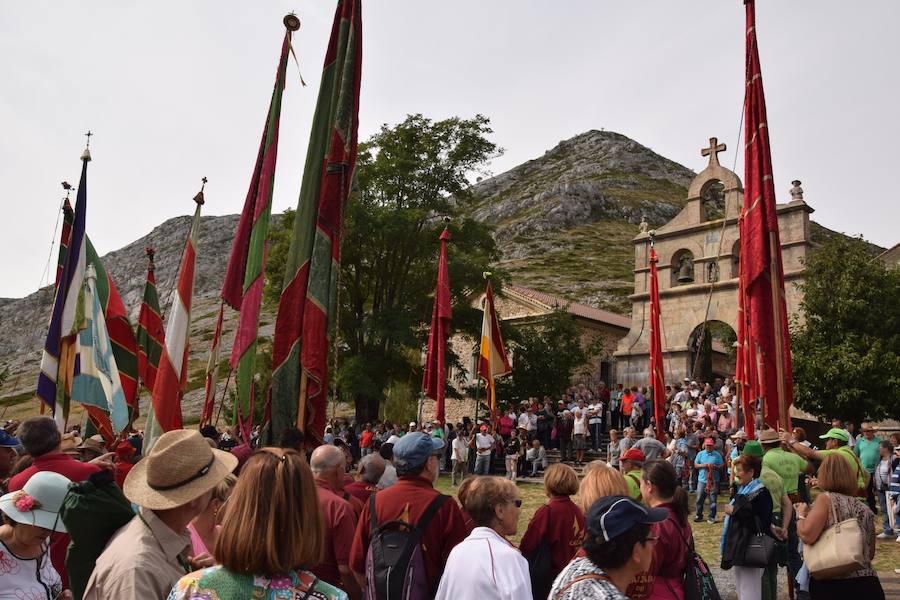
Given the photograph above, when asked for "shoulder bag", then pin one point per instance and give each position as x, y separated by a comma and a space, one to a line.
838, 550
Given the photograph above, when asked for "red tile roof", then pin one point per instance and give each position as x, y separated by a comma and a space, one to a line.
574, 308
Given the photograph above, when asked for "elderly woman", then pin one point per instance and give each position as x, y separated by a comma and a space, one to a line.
485, 565
556, 530
749, 514
205, 527
618, 545
838, 483
598, 480
272, 532
30, 515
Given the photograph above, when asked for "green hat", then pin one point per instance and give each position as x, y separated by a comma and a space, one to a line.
753, 448
836, 434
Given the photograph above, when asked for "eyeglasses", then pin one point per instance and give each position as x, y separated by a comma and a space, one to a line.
517, 502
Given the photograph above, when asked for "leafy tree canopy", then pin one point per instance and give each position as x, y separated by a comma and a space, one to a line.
846, 354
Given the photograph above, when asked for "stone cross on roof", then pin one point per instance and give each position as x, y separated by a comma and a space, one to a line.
713, 151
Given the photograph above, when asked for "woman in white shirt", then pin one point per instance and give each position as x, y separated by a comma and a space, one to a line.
485, 565
579, 431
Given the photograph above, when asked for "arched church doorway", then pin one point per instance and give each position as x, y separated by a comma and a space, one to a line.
712, 351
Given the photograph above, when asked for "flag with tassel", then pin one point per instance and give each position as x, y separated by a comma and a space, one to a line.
492, 359
150, 334
657, 372
308, 297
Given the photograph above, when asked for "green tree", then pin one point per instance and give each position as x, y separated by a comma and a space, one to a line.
846, 354
411, 180
545, 357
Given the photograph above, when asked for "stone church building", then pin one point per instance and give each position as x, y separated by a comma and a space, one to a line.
699, 253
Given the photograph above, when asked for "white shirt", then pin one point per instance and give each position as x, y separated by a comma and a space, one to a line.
485, 566
523, 420
598, 418
460, 449
389, 477
580, 425
35, 578
483, 441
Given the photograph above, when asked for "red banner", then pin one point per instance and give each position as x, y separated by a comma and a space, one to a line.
434, 378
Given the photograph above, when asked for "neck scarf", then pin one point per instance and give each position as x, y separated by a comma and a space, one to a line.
750, 489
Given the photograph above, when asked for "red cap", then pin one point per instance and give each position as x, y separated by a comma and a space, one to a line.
709, 442
484, 428
634, 455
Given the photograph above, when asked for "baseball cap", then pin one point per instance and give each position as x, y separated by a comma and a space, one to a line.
634, 455
753, 448
835, 434
413, 450
393, 439
611, 516
7, 441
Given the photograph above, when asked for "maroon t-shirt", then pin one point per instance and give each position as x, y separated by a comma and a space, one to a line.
340, 523
406, 500
65, 465
561, 523
361, 490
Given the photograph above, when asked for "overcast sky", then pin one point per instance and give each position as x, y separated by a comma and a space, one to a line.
175, 91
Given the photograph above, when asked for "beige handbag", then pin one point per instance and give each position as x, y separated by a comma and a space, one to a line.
839, 550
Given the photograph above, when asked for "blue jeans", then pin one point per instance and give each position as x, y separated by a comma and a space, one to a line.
882, 502
701, 497
482, 463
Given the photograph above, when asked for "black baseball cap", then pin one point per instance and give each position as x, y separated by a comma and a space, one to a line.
611, 516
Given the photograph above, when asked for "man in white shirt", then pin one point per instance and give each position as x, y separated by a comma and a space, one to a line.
484, 442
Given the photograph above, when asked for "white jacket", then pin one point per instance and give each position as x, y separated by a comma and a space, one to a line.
484, 566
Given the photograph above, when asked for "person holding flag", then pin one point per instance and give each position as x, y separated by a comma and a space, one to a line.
492, 359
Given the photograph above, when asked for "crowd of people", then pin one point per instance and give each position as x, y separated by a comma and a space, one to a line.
208, 514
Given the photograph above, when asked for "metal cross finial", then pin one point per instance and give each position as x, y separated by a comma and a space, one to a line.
713, 151
88, 136
199, 197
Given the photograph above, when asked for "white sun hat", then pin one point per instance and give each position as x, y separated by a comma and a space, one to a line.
38, 503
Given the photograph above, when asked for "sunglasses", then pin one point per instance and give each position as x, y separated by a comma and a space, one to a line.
517, 502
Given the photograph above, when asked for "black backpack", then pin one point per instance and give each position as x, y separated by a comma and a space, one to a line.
698, 580
395, 568
540, 568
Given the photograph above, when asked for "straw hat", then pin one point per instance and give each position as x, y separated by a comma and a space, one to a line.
94, 443
69, 444
38, 502
180, 467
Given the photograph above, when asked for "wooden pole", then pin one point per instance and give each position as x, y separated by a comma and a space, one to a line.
301, 402
783, 417
761, 377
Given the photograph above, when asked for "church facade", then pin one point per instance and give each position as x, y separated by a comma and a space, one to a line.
699, 252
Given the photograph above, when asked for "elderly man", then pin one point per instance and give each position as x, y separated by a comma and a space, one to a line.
630, 464
327, 464
172, 485
650, 446
836, 442
368, 472
416, 458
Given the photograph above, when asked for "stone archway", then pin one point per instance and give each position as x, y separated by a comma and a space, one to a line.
712, 350
711, 237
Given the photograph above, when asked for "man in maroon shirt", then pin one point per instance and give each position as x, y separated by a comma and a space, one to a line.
327, 464
417, 459
41, 439
368, 472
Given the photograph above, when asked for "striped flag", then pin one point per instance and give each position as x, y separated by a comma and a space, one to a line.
121, 334
212, 372
59, 344
68, 219
97, 386
172, 374
492, 359
300, 347
150, 334
244, 278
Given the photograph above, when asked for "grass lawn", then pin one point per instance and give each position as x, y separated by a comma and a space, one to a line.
706, 535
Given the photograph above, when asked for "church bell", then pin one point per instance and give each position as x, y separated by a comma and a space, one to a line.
685, 273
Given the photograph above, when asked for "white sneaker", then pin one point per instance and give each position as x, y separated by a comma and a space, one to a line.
898, 538
884, 536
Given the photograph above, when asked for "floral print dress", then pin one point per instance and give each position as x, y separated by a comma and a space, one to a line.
218, 583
